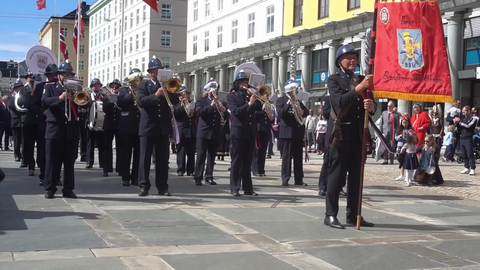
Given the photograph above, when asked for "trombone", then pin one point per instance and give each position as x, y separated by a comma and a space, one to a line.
171, 86
262, 94
73, 92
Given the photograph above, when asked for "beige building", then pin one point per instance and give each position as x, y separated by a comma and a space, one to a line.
50, 38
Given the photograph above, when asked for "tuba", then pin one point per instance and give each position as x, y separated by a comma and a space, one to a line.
17, 106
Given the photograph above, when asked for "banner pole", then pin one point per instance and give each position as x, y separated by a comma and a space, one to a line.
366, 116
79, 33
59, 41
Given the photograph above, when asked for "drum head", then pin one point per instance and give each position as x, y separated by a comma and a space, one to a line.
96, 116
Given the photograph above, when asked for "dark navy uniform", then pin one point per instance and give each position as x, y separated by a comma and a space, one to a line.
83, 121
16, 125
292, 135
61, 140
34, 128
155, 129
322, 179
187, 128
129, 141
264, 126
110, 130
95, 138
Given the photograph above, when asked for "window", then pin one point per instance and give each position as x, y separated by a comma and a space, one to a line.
108, 32
194, 45
251, 25
108, 54
207, 8
143, 39
81, 65
234, 1
207, 41
130, 65
81, 78
138, 16
137, 41
101, 17
108, 75
82, 49
353, 4
91, 59
131, 20
298, 13
115, 8
131, 44
114, 72
95, 39
115, 29
114, 51
83, 35
144, 13
267, 70
126, 23
166, 38
143, 63
119, 52
234, 31
472, 51
109, 12
220, 4
165, 61
319, 68
65, 32
219, 36
323, 8
136, 62
103, 34
125, 68
103, 56
166, 12
103, 75
95, 59
195, 11
270, 19
124, 47
99, 58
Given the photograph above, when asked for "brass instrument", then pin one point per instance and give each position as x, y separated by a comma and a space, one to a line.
72, 87
171, 86
133, 80
265, 92
218, 105
186, 103
81, 98
296, 108
17, 106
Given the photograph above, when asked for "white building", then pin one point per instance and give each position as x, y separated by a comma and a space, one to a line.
126, 34
222, 26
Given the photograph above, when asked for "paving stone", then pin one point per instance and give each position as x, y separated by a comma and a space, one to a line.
260, 215
401, 226
433, 255
70, 264
467, 249
146, 263
155, 218
265, 243
318, 243
136, 251
230, 261
24, 219
6, 257
52, 254
424, 209
371, 257
205, 249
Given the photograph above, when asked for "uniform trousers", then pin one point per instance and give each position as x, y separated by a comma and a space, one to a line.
58, 152
346, 157
292, 148
108, 150
161, 145
322, 179
258, 163
466, 144
83, 142
95, 137
35, 133
205, 146
130, 145
17, 142
186, 150
241, 151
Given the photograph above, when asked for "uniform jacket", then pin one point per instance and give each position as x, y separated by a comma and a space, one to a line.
187, 126
341, 95
263, 123
5, 117
243, 125
156, 116
289, 128
112, 115
387, 122
16, 116
130, 114
34, 116
209, 126
58, 128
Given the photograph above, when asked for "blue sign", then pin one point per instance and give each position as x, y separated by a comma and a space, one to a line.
298, 79
320, 77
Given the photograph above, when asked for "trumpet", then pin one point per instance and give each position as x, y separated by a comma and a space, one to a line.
172, 86
218, 105
186, 103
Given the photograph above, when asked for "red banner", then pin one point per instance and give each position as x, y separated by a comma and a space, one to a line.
153, 4
41, 4
411, 58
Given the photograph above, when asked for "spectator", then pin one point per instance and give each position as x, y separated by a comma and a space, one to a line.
430, 156
437, 129
310, 126
401, 138
321, 134
450, 150
420, 123
466, 127
389, 124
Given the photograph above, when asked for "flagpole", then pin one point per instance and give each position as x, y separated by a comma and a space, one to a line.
59, 41
79, 33
121, 41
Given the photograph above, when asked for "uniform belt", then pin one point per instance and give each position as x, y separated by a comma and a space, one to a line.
346, 123
124, 113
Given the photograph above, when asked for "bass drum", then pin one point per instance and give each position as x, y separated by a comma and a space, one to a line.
96, 116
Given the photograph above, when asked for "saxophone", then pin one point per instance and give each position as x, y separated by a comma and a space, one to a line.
132, 85
296, 108
186, 103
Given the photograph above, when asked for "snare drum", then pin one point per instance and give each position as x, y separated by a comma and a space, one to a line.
96, 116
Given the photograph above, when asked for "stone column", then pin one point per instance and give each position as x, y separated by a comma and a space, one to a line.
275, 85
282, 68
186, 80
332, 55
198, 87
362, 54
306, 68
223, 81
210, 73
258, 62
404, 106
455, 49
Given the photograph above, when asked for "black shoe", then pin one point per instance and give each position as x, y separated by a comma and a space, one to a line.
105, 174
198, 183
49, 195
322, 193
363, 222
31, 173
252, 193
235, 194
180, 174
189, 174
268, 156
70, 195
164, 193
211, 182
256, 174
41, 183
301, 184
23, 165
385, 163
143, 192
134, 182
343, 193
59, 183
17, 160
88, 166
285, 184
333, 222
126, 183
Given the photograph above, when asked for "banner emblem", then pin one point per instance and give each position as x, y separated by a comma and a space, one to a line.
41, 62
410, 55
384, 15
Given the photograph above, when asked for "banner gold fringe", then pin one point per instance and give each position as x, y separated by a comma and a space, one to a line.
413, 97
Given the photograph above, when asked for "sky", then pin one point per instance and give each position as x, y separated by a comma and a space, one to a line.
20, 21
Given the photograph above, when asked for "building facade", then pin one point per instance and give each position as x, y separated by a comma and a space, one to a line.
127, 34
49, 37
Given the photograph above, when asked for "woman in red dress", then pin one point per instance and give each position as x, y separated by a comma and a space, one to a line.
420, 123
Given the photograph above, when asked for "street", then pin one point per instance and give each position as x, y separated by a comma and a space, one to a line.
110, 227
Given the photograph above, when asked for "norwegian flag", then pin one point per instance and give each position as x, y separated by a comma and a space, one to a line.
41, 4
75, 28
152, 3
63, 46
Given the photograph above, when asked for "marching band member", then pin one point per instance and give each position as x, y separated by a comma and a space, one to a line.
264, 119
345, 138
110, 128
210, 114
128, 129
83, 122
95, 137
243, 107
154, 130
61, 134
187, 128
292, 132
16, 123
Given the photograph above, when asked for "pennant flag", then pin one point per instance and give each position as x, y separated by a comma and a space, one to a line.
412, 63
63, 46
41, 4
152, 3
75, 29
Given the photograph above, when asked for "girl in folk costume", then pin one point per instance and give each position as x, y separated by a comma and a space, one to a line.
420, 123
410, 161
401, 138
